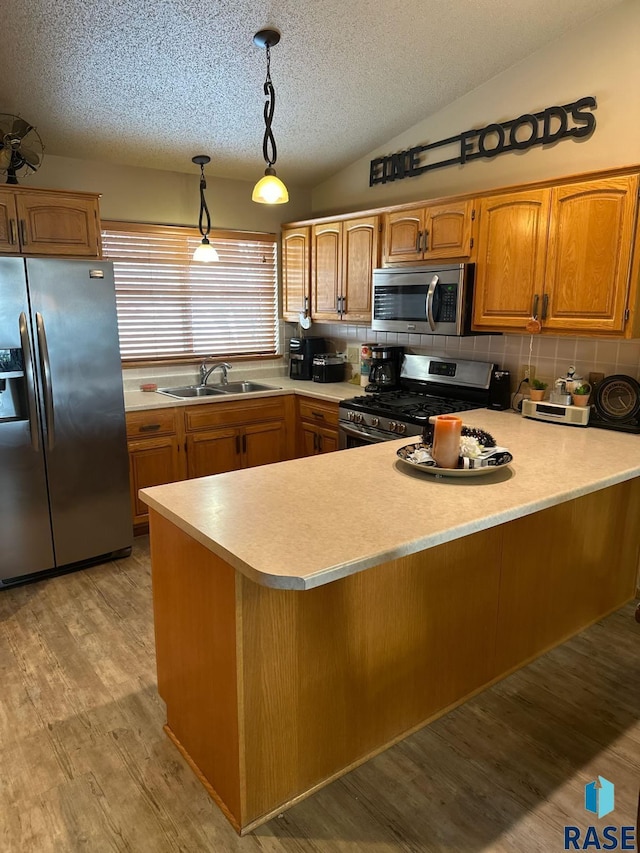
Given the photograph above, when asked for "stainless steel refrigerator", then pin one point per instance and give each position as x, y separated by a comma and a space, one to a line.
64, 481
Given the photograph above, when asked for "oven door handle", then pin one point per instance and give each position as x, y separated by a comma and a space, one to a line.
432, 289
363, 433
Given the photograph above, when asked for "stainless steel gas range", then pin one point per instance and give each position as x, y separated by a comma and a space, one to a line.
429, 385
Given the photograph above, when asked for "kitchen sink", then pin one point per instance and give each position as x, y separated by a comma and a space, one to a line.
245, 387
186, 391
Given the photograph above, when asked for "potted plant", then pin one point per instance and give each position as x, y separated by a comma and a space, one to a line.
537, 390
580, 395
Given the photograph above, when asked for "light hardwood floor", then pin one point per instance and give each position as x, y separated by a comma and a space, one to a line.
85, 765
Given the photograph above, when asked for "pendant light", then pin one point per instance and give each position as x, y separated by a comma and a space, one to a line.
270, 189
205, 251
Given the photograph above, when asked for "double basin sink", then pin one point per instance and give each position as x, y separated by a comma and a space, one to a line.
185, 392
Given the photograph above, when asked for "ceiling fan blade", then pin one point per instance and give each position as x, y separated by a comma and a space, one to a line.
20, 127
30, 157
5, 157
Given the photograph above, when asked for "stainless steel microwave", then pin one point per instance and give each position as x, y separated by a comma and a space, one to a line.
434, 300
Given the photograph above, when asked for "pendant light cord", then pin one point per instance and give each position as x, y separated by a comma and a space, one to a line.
203, 205
269, 151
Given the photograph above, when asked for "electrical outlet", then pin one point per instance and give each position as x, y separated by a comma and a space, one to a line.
527, 372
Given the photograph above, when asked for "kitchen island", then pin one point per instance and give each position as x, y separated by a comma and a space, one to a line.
311, 613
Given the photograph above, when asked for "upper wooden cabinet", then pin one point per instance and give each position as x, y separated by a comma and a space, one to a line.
427, 233
343, 256
9, 243
510, 260
562, 253
295, 271
589, 257
46, 222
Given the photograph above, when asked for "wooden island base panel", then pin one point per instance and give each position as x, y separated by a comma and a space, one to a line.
272, 693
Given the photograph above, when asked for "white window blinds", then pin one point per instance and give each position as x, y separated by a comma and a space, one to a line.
172, 308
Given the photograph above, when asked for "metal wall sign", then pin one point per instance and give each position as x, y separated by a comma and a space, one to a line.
543, 128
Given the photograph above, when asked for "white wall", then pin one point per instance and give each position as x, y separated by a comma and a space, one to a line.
133, 194
601, 58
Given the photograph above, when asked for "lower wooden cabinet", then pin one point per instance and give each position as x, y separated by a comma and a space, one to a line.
156, 454
317, 426
226, 436
219, 450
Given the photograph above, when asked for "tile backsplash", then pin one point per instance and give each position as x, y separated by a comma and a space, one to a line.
550, 355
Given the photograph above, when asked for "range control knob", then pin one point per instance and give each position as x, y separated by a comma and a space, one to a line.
392, 426
359, 418
375, 422
401, 429
351, 416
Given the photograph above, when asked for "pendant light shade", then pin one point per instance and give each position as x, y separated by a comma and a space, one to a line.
204, 253
270, 189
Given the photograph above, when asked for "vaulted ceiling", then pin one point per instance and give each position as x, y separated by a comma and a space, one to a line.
153, 82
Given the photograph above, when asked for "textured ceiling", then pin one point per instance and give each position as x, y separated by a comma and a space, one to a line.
153, 83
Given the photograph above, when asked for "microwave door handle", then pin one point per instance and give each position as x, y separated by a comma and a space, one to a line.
430, 293
30, 381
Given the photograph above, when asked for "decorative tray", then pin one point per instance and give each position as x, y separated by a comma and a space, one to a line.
488, 457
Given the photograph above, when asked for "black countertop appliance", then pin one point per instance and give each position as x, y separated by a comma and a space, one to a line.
301, 353
328, 367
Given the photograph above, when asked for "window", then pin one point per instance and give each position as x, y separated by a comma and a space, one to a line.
172, 309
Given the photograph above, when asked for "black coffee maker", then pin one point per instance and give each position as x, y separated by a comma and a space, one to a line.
301, 353
386, 364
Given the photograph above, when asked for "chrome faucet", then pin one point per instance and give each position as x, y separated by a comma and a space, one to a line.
206, 373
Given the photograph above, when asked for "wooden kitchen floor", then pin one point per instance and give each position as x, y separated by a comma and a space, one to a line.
85, 764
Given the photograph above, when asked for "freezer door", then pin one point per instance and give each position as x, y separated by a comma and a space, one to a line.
26, 544
78, 358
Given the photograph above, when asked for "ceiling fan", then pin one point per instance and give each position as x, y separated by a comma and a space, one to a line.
21, 149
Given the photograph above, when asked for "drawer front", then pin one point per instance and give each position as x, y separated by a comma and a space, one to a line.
228, 414
318, 411
151, 422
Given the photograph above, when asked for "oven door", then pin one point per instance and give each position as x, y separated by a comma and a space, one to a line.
353, 436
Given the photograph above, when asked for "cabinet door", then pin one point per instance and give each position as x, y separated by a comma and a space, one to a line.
448, 230
403, 233
510, 262
53, 224
8, 223
359, 258
308, 440
264, 443
588, 265
327, 440
213, 452
152, 462
296, 273
326, 271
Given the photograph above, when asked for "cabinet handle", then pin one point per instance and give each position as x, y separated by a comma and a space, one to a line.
306, 303
319, 444
12, 232
315, 442
237, 444
426, 241
244, 443
317, 414
23, 232
149, 427
545, 305
419, 242
534, 306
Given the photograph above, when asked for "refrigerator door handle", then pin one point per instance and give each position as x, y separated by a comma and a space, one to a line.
30, 381
45, 367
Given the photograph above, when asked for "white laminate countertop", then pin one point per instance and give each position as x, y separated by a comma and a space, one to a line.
306, 522
333, 391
